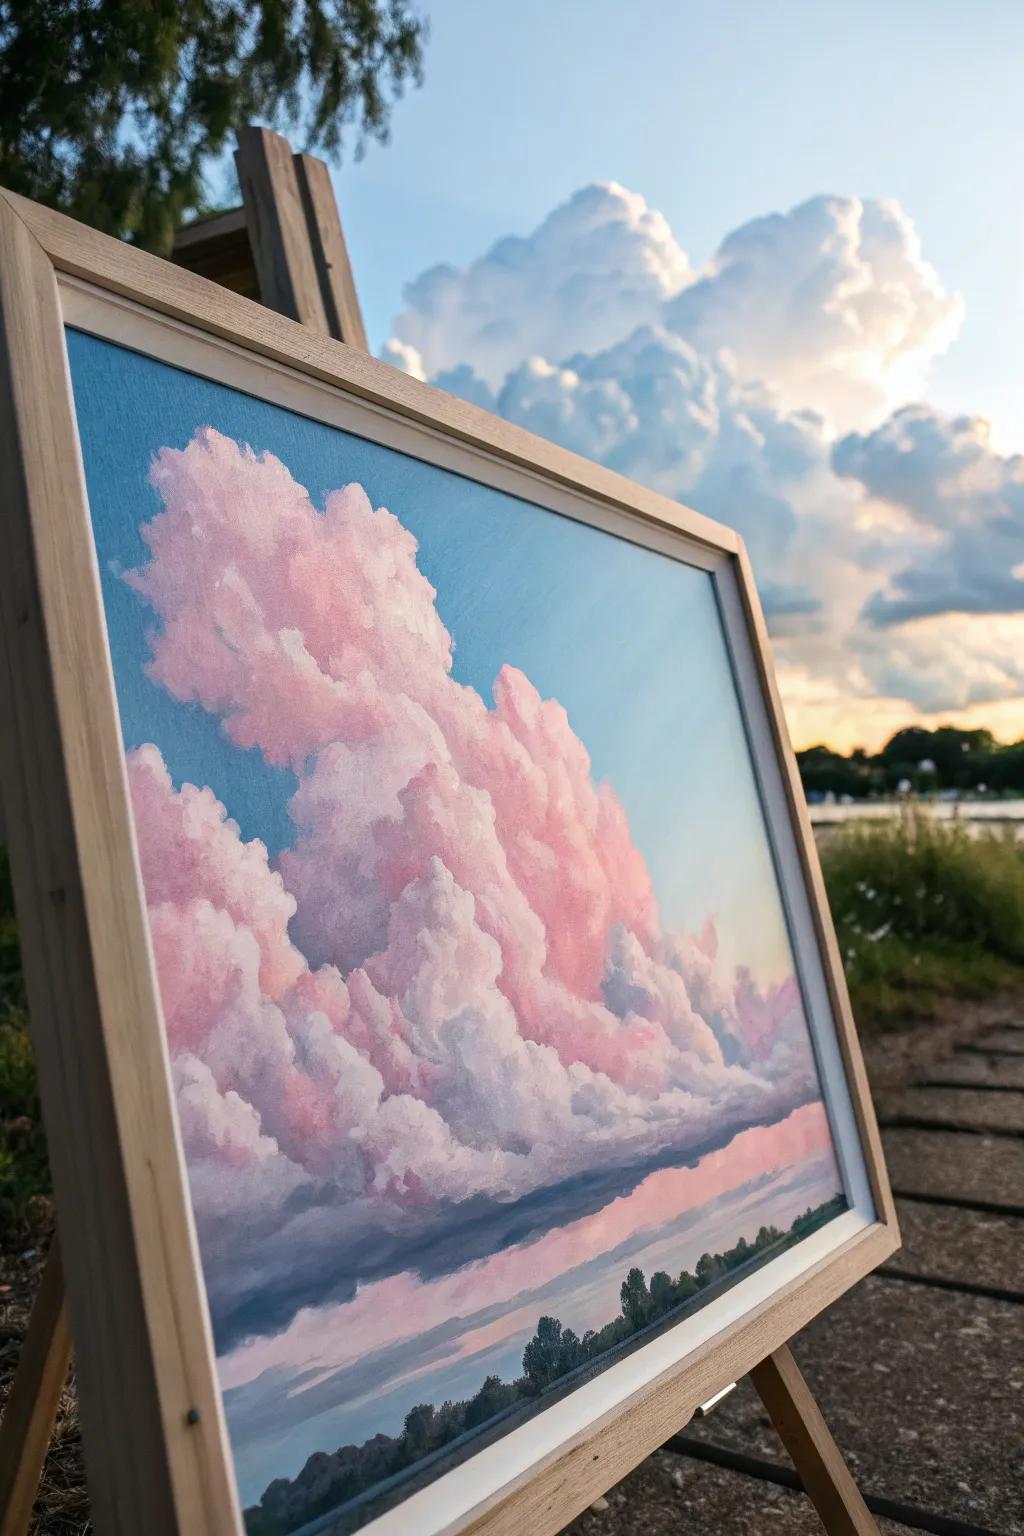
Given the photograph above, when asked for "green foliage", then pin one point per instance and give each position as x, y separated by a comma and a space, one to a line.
947, 758
24, 1171
112, 110
636, 1301
924, 910
541, 1358
12, 982
328, 1481
825, 772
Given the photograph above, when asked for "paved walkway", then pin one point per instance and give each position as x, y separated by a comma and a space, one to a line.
919, 1370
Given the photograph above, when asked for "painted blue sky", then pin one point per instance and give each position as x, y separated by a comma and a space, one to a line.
627, 640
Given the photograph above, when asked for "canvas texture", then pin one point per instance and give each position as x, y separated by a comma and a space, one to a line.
489, 1054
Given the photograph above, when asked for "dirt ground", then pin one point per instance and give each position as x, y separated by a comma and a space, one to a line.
62, 1508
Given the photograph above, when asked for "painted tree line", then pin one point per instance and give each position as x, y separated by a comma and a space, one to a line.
328, 1481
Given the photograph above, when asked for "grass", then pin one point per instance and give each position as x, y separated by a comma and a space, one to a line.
925, 912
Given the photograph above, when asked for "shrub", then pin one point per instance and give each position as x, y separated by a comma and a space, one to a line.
924, 909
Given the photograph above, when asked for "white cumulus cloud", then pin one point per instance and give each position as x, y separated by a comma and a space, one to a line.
965, 503
832, 304
596, 267
769, 389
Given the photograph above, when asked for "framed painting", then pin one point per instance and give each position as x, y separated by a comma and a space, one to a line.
446, 1062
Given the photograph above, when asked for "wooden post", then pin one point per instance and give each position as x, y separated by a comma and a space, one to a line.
327, 242
276, 218
295, 233
35, 1396
819, 1462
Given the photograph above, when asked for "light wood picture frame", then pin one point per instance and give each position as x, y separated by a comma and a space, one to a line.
158, 1452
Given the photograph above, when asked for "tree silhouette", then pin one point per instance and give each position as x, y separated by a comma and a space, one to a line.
570, 1352
418, 1427
663, 1292
493, 1396
541, 1357
709, 1267
635, 1298
686, 1286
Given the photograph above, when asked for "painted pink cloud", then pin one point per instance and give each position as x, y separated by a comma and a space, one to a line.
455, 982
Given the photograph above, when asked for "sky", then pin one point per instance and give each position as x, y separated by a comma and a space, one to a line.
715, 117
715, 113
458, 1013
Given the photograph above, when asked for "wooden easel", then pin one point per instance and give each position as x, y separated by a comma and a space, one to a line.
285, 247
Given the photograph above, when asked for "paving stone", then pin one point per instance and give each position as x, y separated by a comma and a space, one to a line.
955, 1244
924, 1392
1002, 1040
961, 1168
671, 1495
897, 1057
995, 1071
956, 1107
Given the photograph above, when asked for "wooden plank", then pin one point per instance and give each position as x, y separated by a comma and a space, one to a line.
138, 1310
34, 1398
815, 1455
276, 220
330, 253
209, 228
218, 247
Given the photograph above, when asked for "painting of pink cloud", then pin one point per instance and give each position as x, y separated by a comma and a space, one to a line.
490, 1055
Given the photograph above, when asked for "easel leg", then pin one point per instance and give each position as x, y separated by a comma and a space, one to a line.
818, 1460
35, 1395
